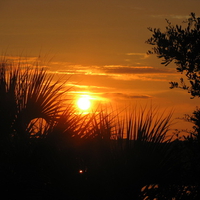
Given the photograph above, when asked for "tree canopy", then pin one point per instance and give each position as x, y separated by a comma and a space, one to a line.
181, 45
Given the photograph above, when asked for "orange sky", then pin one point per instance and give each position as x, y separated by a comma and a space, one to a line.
101, 45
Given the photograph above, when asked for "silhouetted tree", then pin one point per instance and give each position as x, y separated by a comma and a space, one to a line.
181, 46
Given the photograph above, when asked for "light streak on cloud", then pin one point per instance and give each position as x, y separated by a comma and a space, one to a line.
143, 55
168, 16
143, 77
16, 59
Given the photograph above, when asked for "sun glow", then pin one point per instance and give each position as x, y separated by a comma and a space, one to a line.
84, 102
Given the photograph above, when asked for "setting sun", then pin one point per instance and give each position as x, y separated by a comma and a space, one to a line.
84, 103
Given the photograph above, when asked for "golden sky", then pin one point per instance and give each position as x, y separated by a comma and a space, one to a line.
100, 45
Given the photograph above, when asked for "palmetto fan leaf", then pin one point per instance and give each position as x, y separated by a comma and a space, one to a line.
8, 101
145, 125
144, 143
26, 94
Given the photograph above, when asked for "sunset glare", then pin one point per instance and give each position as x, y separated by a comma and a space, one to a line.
84, 102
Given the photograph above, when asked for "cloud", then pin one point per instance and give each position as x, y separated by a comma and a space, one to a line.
143, 55
172, 16
126, 96
75, 84
19, 59
145, 77
24, 61
179, 16
135, 70
118, 72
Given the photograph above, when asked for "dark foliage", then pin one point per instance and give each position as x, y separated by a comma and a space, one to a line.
181, 45
47, 151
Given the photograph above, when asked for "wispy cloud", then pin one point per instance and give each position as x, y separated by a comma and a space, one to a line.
179, 16
19, 58
112, 69
94, 70
134, 70
141, 55
126, 96
24, 61
74, 85
172, 16
118, 72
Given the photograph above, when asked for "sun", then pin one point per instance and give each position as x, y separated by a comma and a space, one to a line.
84, 102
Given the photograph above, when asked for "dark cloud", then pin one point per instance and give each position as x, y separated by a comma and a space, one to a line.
135, 70
126, 96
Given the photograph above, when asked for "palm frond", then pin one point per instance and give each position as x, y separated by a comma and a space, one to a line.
26, 94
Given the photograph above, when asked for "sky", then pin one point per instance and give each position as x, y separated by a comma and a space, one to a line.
99, 46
